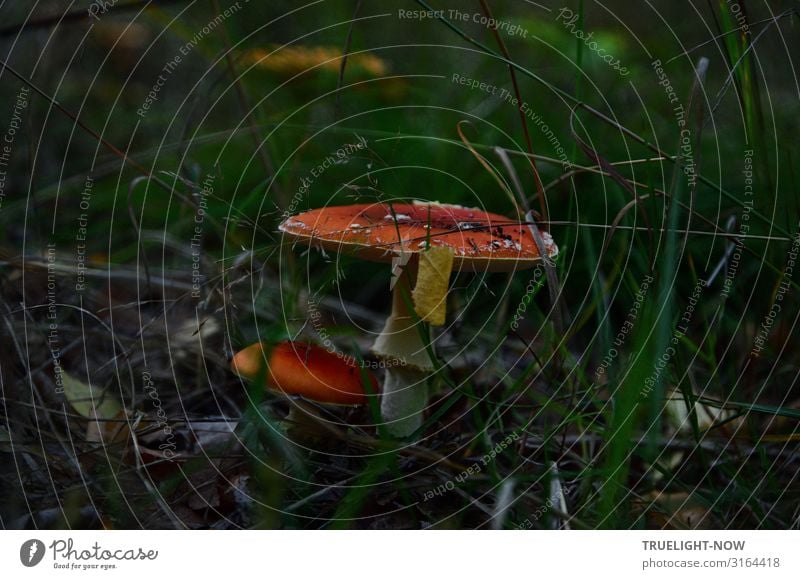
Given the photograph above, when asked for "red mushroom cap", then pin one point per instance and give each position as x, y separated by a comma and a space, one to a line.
306, 370
378, 231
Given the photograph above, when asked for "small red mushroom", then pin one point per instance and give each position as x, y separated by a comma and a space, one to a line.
298, 368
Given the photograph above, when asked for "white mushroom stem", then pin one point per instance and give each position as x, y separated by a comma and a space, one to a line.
403, 401
405, 391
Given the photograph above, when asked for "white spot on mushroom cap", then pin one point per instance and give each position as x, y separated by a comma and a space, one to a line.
398, 216
451, 205
293, 223
509, 243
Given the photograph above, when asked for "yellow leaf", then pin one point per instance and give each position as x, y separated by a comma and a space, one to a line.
433, 279
88, 401
105, 412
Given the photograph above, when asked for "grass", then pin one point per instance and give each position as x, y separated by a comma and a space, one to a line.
622, 458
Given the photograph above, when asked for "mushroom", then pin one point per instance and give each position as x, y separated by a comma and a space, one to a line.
299, 368
430, 239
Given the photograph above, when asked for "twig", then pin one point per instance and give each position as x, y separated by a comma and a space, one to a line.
345, 53
540, 192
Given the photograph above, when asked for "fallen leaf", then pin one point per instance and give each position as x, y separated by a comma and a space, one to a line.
105, 413
678, 414
433, 280
678, 510
88, 401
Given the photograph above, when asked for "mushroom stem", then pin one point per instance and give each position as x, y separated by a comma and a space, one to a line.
404, 397
405, 391
304, 421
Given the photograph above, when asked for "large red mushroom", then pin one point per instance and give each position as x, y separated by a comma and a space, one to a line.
431, 238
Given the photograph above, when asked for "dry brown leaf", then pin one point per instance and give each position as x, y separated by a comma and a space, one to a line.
678, 511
